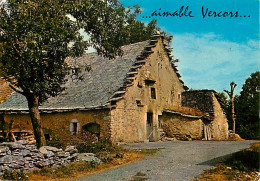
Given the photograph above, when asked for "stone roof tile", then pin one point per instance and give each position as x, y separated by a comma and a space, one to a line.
93, 91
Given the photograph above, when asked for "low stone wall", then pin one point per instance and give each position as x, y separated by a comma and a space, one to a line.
182, 128
20, 155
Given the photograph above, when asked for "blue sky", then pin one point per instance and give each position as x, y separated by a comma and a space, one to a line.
213, 51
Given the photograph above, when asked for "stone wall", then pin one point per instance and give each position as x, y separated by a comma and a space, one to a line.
129, 118
21, 155
58, 125
206, 101
219, 126
182, 128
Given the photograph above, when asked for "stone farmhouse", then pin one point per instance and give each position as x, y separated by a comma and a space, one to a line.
132, 98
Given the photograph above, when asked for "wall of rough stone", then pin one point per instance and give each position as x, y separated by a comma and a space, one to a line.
182, 128
58, 124
219, 126
21, 155
206, 101
129, 119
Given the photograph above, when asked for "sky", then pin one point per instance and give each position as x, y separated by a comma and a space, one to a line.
213, 51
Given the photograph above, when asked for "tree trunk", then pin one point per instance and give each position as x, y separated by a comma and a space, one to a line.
33, 104
233, 115
231, 97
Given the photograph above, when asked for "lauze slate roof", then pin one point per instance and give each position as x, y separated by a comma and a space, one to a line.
92, 92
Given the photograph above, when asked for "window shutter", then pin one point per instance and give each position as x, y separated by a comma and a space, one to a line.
71, 128
78, 127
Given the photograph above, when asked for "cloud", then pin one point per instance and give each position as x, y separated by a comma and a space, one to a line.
207, 61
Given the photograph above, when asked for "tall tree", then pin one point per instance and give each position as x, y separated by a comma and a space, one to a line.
231, 97
247, 108
36, 36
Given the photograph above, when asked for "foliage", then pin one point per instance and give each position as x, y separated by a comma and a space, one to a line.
247, 108
242, 165
148, 151
244, 160
14, 175
37, 36
64, 171
187, 110
96, 147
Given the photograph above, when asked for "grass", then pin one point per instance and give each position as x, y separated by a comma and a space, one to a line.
78, 169
139, 176
111, 156
243, 165
147, 152
188, 110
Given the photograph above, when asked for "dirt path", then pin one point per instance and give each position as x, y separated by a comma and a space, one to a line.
176, 160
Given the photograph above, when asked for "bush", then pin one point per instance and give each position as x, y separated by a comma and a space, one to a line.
100, 146
14, 175
244, 160
64, 171
249, 131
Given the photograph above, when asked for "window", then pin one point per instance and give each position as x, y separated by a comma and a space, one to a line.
179, 96
74, 127
153, 93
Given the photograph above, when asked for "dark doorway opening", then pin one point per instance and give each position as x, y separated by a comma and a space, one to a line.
91, 132
149, 126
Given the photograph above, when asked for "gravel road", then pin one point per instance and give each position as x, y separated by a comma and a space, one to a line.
176, 160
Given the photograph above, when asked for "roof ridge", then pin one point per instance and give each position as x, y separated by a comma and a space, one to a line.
140, 61
133, 71
169, 51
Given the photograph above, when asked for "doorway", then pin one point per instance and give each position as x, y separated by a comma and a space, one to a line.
91, 132
149, 126
207, 132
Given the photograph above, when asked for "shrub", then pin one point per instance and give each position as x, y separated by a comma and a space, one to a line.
15, 175
64, 171
100, 146
244, 160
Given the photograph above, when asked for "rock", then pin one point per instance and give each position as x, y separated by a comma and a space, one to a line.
3, 150
50, 154
53, 149
88, 157
21, 155
233, 136
62, 154
73, 156
71, 149
12, 145
43, 150
23, 142
25, 152
30, 147
170, 139
9, 159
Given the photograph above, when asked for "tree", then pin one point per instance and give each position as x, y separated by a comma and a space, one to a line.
231, 97
38, 35
224, 101
247, 108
